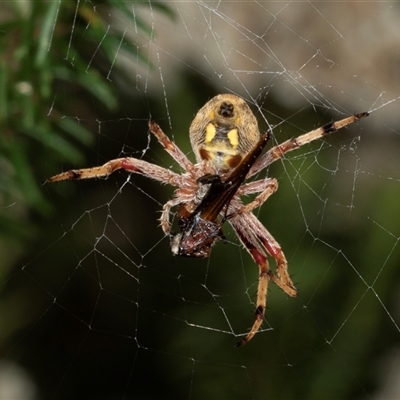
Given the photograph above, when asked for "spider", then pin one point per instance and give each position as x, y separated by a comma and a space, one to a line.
223, 134
203, 227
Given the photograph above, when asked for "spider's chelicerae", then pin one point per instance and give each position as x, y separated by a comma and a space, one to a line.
226, 141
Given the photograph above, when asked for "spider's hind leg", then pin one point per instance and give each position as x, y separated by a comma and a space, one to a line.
281, 278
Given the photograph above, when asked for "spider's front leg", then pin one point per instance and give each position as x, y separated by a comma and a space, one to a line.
265, 274
259, 242
166, 210
281, 277
267, 187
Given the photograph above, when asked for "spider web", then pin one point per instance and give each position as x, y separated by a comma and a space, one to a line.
99, 308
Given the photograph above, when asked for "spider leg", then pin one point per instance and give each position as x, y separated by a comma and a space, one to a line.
281, 277
128, 163
277, 152
254, 187
259, 242
164, 219
135, 165
266, 186
171, 148
264, 276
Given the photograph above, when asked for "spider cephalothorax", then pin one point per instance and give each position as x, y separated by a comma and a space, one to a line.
201, 228
227, 143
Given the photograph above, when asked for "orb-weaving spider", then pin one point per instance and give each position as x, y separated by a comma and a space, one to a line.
223, 134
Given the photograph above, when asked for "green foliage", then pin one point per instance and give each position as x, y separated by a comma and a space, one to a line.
49, 79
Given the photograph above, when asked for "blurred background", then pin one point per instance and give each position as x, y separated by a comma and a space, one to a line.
92, 303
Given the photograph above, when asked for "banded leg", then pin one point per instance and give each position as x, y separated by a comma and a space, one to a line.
277, 152
128, 163
259, 242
